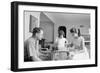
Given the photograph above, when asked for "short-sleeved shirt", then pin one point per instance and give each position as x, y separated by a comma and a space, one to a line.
61, 43
31, 47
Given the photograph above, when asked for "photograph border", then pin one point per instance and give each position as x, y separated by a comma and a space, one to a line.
14, 35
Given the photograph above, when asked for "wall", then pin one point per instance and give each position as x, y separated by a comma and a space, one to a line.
5, 38
69, 20
48, 27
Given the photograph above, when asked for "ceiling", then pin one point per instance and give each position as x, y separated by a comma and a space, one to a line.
69, 18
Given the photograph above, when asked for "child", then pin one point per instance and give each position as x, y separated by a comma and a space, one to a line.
61, 43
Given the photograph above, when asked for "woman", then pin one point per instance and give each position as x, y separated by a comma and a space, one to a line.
60, 43
80, 51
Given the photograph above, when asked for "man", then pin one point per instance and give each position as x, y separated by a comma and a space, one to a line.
31, 47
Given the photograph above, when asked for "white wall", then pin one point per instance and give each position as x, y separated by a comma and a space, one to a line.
5, 28
69, 20
48, 29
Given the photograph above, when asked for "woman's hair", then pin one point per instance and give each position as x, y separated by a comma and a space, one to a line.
61, 32
36, 30
79, 33
74, 30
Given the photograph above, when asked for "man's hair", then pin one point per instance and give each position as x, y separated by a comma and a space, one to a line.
61, 32
36, 30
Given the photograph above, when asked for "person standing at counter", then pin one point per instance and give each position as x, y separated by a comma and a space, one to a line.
61, 43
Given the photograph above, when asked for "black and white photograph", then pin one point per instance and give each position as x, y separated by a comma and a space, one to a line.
54, 36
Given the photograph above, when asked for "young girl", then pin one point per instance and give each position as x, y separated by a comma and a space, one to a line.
61, 43
79, 45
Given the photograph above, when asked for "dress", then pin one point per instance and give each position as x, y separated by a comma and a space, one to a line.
81, 52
